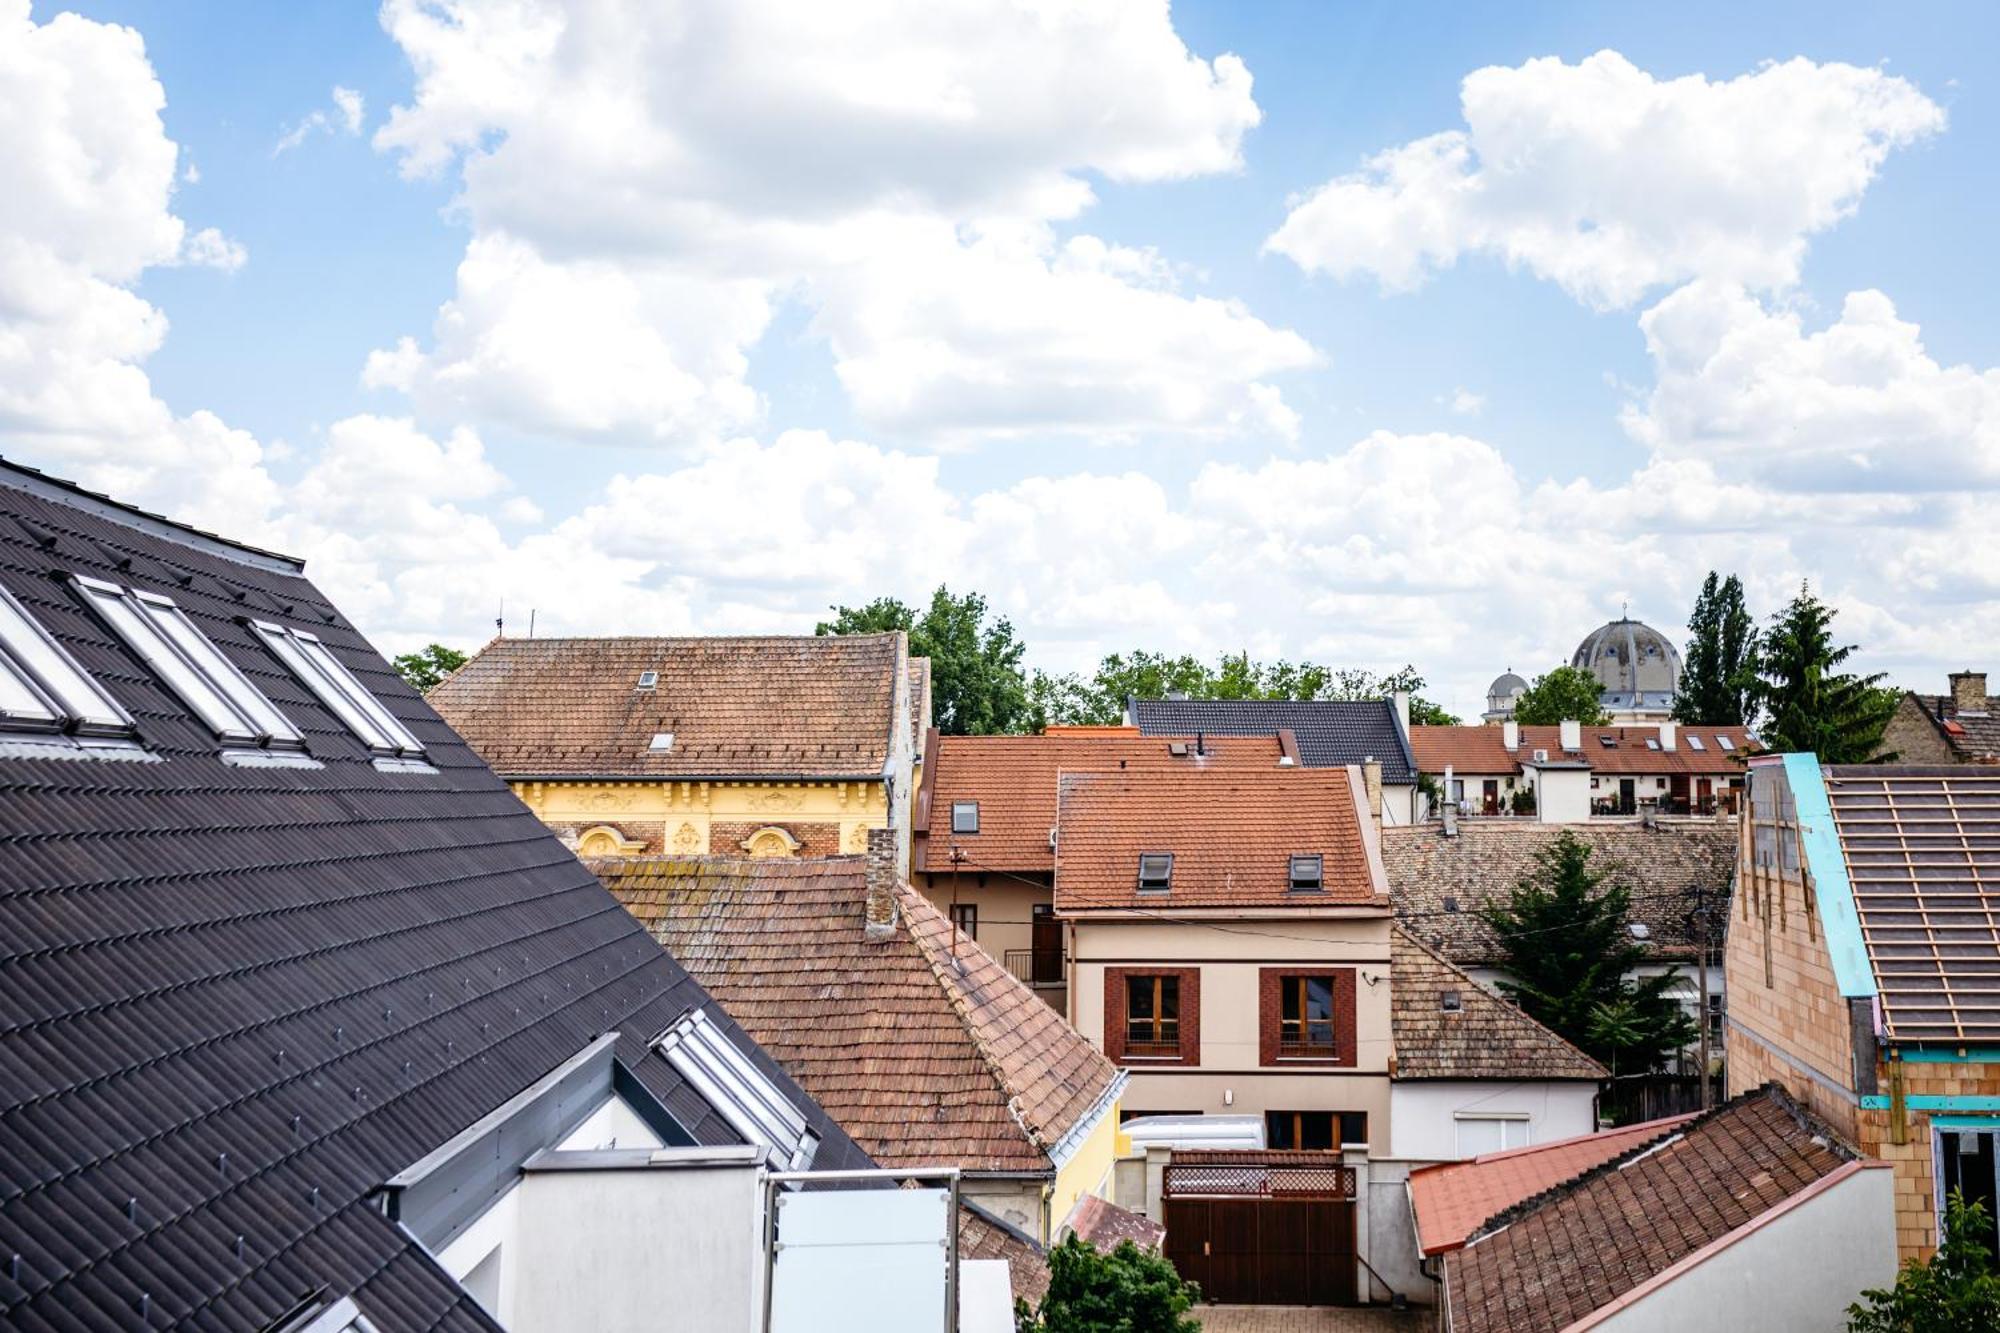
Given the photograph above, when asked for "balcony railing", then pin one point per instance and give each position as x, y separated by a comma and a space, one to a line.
1037, 967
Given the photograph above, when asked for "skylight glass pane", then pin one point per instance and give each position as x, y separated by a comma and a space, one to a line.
737, 1089
1725, 742
965, 816
293, 654
222, 674
38, 658
1694, 742
19, 701
143, 638
336, 671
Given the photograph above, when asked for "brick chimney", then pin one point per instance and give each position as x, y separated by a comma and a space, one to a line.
1371, 783
1968, 692
881, 864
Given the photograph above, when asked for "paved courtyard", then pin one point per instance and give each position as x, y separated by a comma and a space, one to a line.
1301, 1319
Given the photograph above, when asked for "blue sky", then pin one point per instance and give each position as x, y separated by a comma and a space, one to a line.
1510, 499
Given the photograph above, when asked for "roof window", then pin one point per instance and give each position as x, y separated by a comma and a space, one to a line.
1725, 742
307, 657
1450, 1001
662, 742
41, 686
1608, 742
1178, 749
190, 665
1308, 874
648, 679
1652, 742
1156, 872
1694, 742
965, 816
343, 1316
740, 1092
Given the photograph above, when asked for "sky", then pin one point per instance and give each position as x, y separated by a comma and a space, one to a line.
1366, 334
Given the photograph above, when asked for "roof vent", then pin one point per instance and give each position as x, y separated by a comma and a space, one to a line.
648, 679
662, 741
1450, 903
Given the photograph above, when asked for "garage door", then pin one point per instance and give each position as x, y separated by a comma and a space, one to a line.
1262, 1228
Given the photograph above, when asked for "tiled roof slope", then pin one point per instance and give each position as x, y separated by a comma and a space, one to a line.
225, 988
1470, 751
1484, 1037
1440, 882
1014, 780
920, 701
1557, 1257
1104, 1225
921, 1045
981, 1235
1451, 1200
1974, 735
1232, 835
821, 706
1922, 852
1332, 733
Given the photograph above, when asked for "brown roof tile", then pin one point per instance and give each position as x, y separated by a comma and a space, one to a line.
1557, 1257
1232, 834
815, 707
1103, 1225
1973, 735
1470, 751
1482, 1036
922, 1046
981, 1235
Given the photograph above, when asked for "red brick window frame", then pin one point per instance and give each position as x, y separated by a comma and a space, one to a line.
1187, 984
1292, 1045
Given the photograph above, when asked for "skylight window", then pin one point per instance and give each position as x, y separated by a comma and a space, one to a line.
188, 664
41, 686
965, 816
1694, 742
1652, 742
308, 658
648, 679
1725, 742
739, 1091
662, 742
1156, 872
1308, 874
1608, 742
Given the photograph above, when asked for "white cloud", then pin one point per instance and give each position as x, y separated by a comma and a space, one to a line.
209, 248
1611, 183
348, 111
351, 107
1466, 403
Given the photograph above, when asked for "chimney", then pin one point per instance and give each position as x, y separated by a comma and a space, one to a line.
1968, 692
1572, 734
881, 863
1371, 782
1288, 748
1669, 736
1510, 735
1401, 699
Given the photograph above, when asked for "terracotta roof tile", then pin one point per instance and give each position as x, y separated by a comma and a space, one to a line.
922, 1046
1481, 1036
1556, 1257
806, 706
981, 1235
1232, 835
1103, 1225
1471, 751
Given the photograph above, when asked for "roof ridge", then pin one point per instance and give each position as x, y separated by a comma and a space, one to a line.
1397, 928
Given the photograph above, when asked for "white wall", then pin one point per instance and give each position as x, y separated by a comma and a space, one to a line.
1562, 795
1422, 1112
1391, 1242
1798, 1271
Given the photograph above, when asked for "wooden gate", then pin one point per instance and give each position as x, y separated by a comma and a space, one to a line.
1263, 1228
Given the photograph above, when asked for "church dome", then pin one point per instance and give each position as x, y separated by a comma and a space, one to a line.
1505, 689
1637, 666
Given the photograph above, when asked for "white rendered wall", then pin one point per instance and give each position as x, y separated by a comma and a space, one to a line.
1423, 1128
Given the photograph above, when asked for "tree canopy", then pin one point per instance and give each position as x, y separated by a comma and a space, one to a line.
1809, 705
1129, 1290
978, 687
1955, 1290
1565, 694
425, 669
1072, 699
1562, 931
1718, 686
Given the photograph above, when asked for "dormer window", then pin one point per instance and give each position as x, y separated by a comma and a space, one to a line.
1156, 872
1308, 874
307, 657
965, 816
41, 686
187, 663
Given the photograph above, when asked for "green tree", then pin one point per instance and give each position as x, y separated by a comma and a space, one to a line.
1954, 1291
425, 669
1129, 1290
1566, 694
1071, 699
1718, 686
1562, 931
1808, 704
978, 687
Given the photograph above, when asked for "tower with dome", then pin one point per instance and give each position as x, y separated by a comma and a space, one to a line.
1637, 667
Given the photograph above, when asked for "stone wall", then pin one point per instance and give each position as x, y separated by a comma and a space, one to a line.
1913, 738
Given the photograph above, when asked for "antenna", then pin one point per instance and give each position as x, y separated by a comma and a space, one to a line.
500, 621
531, 622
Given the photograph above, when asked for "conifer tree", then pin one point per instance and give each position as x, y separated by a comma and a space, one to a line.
1718, 686
1809, 705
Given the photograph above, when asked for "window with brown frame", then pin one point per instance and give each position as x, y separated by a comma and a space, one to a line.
1314, 1129
966, 917
1153, 1015
1305, 1018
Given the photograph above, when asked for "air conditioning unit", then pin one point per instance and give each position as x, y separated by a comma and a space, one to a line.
1541, 756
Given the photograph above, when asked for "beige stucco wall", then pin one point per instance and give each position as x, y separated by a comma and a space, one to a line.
1087, 1170
1006, 906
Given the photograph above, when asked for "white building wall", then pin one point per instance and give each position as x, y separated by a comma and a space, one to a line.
1424, 1113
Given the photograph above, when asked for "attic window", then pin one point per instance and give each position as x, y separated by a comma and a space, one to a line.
662, 742
740, 1092
1652, 742
1694, 742
41, 686
1178, 749
1725, 742
648, 679
965, 816
1450, 903
1308, 874
1608, 742
188, 664
307, 657
343, 1316
1450, 1001
1156, 872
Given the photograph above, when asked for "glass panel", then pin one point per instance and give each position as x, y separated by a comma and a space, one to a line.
293, 655
335, 671
143, 638
18, 701
965, 817
79, 697
245, 698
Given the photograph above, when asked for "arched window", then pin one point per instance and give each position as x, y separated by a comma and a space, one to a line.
771, 841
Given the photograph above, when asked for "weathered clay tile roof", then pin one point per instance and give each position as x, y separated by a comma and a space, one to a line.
1332, 733
922, 1046
981, 1235
1471, 751
1451, 1200
1555, 1258
1447, 1026
1972, 735
817, 707
1232, 834
1103, 1225
920, 701
1440, 882
1013, 778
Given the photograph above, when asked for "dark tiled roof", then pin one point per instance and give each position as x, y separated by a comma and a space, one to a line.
1232, 834
1440, 882
1470, 751
1973, 735
922, 1045
1555, 1258
1013, 779
1331, 732
193, 953
752, 707
1922, 847
1481, 1036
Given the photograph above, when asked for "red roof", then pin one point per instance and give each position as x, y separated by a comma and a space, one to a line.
1474, 750
1453, 1198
